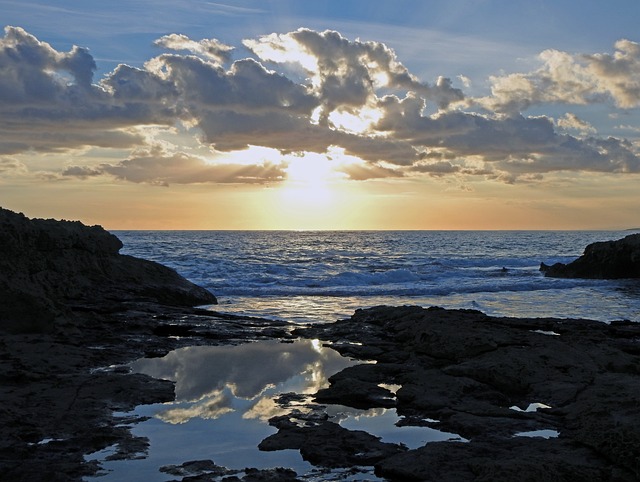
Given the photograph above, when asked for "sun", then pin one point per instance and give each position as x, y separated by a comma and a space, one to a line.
310, 169
309, 180
316, 194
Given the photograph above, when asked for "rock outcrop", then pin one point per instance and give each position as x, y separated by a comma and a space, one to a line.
603, 260
73, 313
466, 373
50, 268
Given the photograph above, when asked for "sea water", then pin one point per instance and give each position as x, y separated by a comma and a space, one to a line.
321, 276
225, 394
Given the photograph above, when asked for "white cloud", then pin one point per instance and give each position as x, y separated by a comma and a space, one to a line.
346, 73
619, 73
211, 407
212, 49
571, 121
571, 79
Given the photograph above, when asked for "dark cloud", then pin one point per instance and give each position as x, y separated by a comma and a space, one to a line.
48, 101
514, 143
155, 166
347, 73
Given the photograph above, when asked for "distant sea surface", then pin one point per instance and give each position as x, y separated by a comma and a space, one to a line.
321, 276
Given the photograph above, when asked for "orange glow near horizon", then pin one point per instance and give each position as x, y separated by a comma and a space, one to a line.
317, 195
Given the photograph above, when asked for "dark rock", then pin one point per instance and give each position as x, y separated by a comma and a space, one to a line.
196, 468
327, 444
50, 268
463, 372
500, 460
602, 260
356, 393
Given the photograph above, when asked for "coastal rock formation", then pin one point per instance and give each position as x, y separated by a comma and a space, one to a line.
73, 313
602, 260
496, 382
50, 268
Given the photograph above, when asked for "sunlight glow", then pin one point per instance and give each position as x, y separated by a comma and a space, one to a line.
311, 169
282, 48
308, 181
356, 123
248, 156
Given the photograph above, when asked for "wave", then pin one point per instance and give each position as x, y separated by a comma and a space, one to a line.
374, 286
317, 274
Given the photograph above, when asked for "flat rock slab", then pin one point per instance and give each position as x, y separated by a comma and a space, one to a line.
464, 372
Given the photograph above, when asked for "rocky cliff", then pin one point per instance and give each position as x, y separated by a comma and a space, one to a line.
51, 268
603, 260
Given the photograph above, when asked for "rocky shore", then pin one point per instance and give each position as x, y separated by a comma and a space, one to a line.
603, 260
482, 377
74, 312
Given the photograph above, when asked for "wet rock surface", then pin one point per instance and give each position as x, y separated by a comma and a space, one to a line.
602, 260
340, 447
208, 471
467, 373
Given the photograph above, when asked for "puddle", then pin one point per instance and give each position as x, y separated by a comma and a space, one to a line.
381, 423
538, 433
224, 399
543, 332
533, 407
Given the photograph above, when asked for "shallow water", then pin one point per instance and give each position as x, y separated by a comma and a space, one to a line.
224, 399
325, 275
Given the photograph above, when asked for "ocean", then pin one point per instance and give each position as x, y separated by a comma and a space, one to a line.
225, 394
322, 276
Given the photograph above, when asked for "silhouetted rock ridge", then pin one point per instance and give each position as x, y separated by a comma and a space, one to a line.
49, 268
602, 260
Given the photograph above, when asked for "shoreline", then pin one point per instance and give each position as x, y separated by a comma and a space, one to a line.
59, 390
58, 397
74, 312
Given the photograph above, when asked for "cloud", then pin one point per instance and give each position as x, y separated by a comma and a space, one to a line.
498, 143
618, 74
213, 406
364, 172
245, 372
571, 79
156, 166
571, 122
13, 166
212, 49
345, 74
50, 102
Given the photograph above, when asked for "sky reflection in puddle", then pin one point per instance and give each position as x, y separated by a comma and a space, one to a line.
224, 399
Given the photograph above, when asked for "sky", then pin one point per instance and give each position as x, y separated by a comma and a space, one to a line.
348, 114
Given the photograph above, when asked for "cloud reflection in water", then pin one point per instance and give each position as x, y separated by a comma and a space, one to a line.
214, 380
